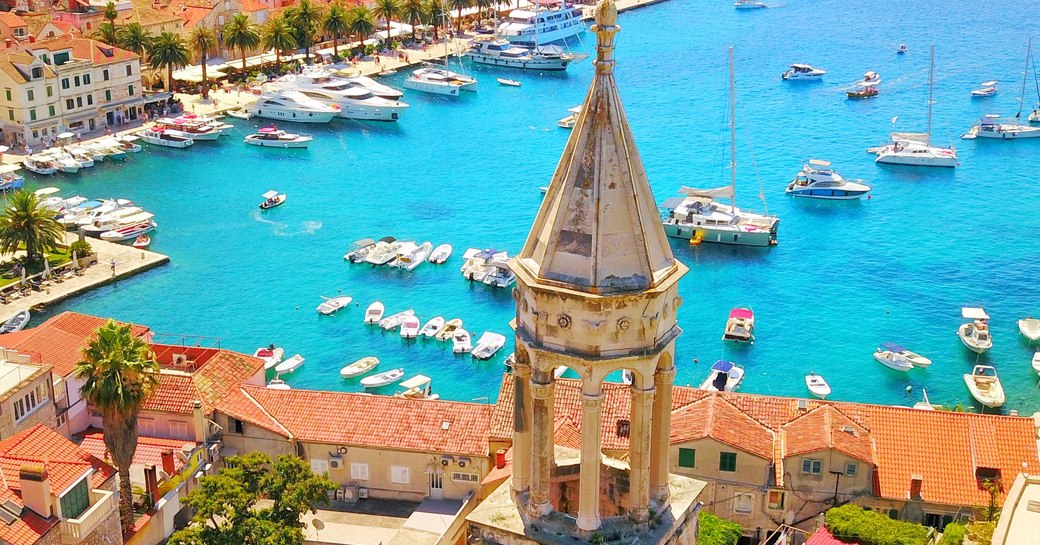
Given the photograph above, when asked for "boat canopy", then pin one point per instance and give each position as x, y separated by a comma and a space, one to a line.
364, 243
986, 120
894, 347
7, 169
549, 50
47, 191
388, 240
988, 83
974, 313
722, 365
724, 191
741, 313
270, 194
418, 381
802, 66
819, 162
137, 218
671, 203
487, 253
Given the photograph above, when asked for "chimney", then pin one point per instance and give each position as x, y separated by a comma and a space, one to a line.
500, 458
7, 42
151, 482
32, 39
915, 487
167, 462
199, 421
36, 489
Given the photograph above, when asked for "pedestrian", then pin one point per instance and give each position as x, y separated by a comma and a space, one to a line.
112, 262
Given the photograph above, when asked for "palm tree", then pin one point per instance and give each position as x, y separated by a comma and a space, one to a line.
134, 37
168, 51
277, 35
435, 11
118, 373
481, 6
415, 12
335, 23
202, 40
24, 224
110, 13
459, 4
386, 10
304, 17
243, 34
362, 22
107, 33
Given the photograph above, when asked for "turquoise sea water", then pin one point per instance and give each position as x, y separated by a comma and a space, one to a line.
844, 277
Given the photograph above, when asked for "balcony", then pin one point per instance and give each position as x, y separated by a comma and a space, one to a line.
102, 504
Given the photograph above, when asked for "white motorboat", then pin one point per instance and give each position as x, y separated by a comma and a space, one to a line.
40, 164
990, 126
289, 365
87, 156
446, 331
272, 355
902, 49
278, 384
460, 341
924, 404
499, 274
106, 217
353, 100
166, 139
432, 327
332, 304
503, 53
439, 81
84, 161
383, 252
403, 247
478, 263
359, 250
975, 334
138, 225
985, 386
440, 254
1030, 328
508, 82
270, 137
488, 344
239, 113
749, 4
414, 257
985, 89
374, 313
890, 355
62, 162
292, 106
383, 379
377, 89
272, 199
1036, 361
395, 320
803, 72
417, 387
569, 121
817, 385
544, 22
126, 142
110, 147
410, 327
816, 180
359, 367
740, 326
725, 376
16, 322
191, 128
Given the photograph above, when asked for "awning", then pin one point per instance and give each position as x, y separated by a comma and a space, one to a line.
722, 365
741, 313
893, 347
128, 101
974, 313
156, 97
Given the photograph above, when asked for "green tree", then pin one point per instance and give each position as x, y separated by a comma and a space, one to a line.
981, 532
305, 17
362, 23
225, 504
118, 373
202, 40
25, 224
712, 530
242, 34
107, 33
386, 10
415, 12
953, 534
460, 5
110, 14
134, 37
168, 51
435, 11
481, 6
335, 23
277, 35
851, 523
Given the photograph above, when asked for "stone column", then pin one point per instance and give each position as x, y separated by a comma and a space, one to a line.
660, 434
639, 453
591, 430
542, 454
521, 426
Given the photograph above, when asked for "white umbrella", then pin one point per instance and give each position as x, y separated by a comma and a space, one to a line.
46, 267
47, 191
4, 148
75, 262
67, 135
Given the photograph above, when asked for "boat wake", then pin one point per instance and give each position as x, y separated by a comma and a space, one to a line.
285, 230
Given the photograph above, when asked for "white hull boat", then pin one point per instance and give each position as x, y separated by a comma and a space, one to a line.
332, 304
460, 341
748, 4
817, 385
160, 137
803, 72
725, 376
289, 365
359, 367
395, 320
1036, 362
374, 313
269, 137
16, 322
414, 257
432, 327
292, 106
892, 360
499, 275
410, 327
985, 386
446, 332
382, 253
40, 165
817, 181
360, 249
544, 23
488, 344
900, 356
975, 336
354, 101
439, 81
1030, 328
440, 254
740, 326
130, 231
505, 54
272, 355
383, 379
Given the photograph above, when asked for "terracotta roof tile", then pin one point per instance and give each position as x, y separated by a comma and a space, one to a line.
823, 537
98, 53
720, 420
11, 19
219, 377
249, 6
7, 64
825, 428
65, 461
58, 340
149, 449
567, 434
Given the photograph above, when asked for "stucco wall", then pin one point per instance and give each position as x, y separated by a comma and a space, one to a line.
724, 488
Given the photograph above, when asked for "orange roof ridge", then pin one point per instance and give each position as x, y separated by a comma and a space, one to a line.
263, 410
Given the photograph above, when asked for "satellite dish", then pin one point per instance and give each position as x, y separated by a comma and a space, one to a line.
318, 524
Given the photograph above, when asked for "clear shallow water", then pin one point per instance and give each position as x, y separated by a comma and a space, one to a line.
844, 277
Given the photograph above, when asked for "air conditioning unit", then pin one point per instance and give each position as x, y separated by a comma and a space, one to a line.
446, 460
350, 493
335, 463
803, 404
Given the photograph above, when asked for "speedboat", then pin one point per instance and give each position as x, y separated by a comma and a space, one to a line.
740, 326
136, 226
239, 113
986, 89
394, 320
984, 386
410, 327
16, 322
353, 100
488, 344
440, 254
40, 164
432, 327
360, 249
107, 219
460, 341
504, 53
194, 129
167, 139
816, 180
439, 81
448, 330
383, 252
544, 22
975, 334
359, 367
725, 376
332, 304
289, 365
992, 126
749, 4
499, 274
817, 385
803, 72
142, 242
898, 357
903, 49
292, 106
278, 384
699, 217
272, 355
413, 258
1030, 328
126, 143
374, 313
272, 199
383, 379
270, 137
569, 121
508, 82
417, 387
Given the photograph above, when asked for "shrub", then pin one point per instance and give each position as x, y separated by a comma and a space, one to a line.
712, 530
851, 523
953, 534
981, 532
81, 247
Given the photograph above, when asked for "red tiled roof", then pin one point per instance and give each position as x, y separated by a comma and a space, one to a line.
378, 421
11, 19
96, 52
567, 434
825, 428
720, 420
823, 537
193, 14
66, 27
212, 383
65, 461
249, 6
59, 339
149, 449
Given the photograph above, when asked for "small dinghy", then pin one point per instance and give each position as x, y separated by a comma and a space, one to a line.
902, 49
448, 330
278, 384
272, 199
488, 344
740, 326
440, 254
986, 89
386, 73
289, 365
460, 341
394, 320
16, 322
410, 327
142, 242
272, 355
239, 114
817, 385
432, 327
508, 82
899, 357
374, 313
725, 376
975, 334
984, 386
359, 367
383, 379
332, 304
1030, 328
1036, 362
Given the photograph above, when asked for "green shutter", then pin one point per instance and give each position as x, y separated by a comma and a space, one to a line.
76, 500
687, 457
728, 461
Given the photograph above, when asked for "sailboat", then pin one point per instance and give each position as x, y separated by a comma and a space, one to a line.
1034, 116
438, 80
699, 217
990, 126
915, 149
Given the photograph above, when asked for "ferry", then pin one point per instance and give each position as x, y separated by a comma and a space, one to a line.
504, 53
548, 21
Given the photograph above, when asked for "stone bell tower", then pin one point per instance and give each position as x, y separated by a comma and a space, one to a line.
597, 292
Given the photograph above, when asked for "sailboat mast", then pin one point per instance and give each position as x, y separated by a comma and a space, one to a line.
931, 90
1025, 75
732, 133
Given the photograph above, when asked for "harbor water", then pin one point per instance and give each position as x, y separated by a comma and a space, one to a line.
844, 277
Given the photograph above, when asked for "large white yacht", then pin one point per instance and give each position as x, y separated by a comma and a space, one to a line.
817, 180
698, 217
292, 106
504, 53
355, 101
439, 81
1002, 129
546, 22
